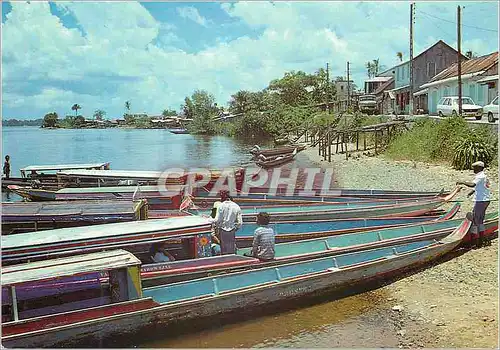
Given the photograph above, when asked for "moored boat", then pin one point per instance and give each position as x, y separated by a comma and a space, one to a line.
124, 307
179, 131
275, 161
162, 273
277, 151
45, 175
345, 210
134, 177
135, 236
34, 216
188, 236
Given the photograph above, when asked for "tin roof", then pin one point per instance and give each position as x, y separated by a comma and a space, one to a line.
385, 86
471, 66
40, 270
420, 54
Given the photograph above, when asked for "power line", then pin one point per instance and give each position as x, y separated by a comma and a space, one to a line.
450, 36
464, 25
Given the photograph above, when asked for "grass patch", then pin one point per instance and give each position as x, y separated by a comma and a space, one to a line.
430, 140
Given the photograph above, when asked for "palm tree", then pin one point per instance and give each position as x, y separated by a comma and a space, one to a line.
127, 106
75, 108
400, 56
239, 102
369, 69
376, 66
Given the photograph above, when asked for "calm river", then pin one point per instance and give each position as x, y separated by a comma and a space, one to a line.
358, 321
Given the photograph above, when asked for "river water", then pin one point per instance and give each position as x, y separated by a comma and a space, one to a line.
356, 321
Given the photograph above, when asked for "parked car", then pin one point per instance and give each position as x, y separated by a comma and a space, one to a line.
368, 104
491, 110
448, 106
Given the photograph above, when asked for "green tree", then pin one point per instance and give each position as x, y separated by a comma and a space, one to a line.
374, 67
75, 108
203, 108
99, 114
470, 54
169, 113
79, 121
294, 88
129, 119
50, 120
188, 108
240, 102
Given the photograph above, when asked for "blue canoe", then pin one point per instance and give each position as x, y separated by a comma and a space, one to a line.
149, 308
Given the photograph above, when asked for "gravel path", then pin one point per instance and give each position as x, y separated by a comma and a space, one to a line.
454, 303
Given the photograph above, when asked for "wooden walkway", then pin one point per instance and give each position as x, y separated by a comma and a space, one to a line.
351, 140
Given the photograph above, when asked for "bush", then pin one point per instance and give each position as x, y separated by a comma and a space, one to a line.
452, 139
470, 149
428, 140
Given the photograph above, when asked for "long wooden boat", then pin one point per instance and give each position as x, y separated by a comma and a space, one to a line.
179, 131
34, 216
46, 174
266, 192
188, 236
344, 210
118, 305
135, 236
278, 151
275, 161
100, 178
162, 273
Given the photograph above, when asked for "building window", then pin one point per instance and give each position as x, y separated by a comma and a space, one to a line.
431, 69
341, 87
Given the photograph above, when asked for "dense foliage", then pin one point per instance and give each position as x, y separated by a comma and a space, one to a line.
17, 122
50, 120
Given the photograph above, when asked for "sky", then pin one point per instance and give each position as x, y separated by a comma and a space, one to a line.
154, 54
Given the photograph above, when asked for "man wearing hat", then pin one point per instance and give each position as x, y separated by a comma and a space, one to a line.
482, 193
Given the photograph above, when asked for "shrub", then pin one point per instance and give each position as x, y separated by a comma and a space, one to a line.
428, 140
469, 149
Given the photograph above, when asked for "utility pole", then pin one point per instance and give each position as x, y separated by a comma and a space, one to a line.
327, 88
459, 61
412, 16
348, 87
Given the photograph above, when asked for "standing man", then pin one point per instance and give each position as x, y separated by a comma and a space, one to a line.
228, 221
6, 167
482, 193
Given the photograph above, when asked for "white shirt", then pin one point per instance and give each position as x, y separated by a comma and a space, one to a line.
229, 216
482, 190
160, 257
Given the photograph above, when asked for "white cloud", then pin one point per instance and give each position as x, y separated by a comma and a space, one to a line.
126, 54
192, 13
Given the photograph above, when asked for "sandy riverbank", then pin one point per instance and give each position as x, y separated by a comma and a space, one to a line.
453, 304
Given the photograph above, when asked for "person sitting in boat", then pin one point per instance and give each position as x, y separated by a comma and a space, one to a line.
215, 238
263, 239
160, 254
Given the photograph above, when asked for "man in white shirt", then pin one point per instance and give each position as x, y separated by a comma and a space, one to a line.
482, 194
228, 221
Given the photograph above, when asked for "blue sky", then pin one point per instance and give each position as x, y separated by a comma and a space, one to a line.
153, 54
